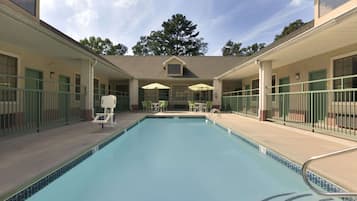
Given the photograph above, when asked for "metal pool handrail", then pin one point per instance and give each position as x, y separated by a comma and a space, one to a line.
306, 180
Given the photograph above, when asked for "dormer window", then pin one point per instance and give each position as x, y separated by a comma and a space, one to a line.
174, 70
174, 66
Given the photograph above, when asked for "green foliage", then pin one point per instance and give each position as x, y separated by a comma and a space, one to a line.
235, 49
104, 46
250, 50
178, 37
232, 49
290, 28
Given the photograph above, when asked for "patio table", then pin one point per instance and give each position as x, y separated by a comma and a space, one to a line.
155, 106
200, 106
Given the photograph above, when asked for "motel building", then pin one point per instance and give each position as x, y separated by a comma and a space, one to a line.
307, 79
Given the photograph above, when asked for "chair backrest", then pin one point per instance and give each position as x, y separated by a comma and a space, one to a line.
109, 102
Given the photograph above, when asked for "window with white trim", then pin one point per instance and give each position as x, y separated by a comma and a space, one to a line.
174, 70
8, 77
78, 86
326, 6
345, 67
28, 5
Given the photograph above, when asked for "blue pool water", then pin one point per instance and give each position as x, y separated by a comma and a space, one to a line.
176, 160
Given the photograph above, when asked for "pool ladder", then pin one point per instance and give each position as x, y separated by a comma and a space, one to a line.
306, 179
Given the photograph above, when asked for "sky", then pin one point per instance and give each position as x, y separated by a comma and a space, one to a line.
124, 21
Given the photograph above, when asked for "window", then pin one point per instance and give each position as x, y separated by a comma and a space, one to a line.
102, 89
96, 90
78, 86
8, 79
28, 5
273, 84
344, 67
326, 6
164, 94
255, 88
174, 69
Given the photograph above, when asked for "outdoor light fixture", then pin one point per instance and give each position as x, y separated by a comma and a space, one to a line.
52, 75
297, 76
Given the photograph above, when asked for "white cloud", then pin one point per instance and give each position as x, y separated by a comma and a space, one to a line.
296, 3
272, 24
125, 3
47, 4
83, 18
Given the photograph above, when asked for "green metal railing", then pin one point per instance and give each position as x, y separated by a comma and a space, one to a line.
33, 110
312, 106
244, 102
123, 104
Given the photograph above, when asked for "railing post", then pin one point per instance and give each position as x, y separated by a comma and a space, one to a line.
312, 110
39, 111
284, 108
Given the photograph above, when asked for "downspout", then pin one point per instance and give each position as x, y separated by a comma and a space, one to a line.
95, 62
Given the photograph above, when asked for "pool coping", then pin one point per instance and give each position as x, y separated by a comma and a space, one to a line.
28, 189
314, 177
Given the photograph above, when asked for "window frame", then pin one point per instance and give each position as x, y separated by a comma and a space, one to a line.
174, 74
77, 94
332, 62
10, 54
35, 11
273, 99
326, 13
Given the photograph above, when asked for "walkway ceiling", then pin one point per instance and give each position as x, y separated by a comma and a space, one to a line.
40, 38
333, 35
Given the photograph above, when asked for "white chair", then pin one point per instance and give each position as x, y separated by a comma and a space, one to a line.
108, 103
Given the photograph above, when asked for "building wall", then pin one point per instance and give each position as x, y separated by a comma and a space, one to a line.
29, 60
298, 104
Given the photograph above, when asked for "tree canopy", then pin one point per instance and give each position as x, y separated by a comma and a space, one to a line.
251, 49
178, 36
235, 49
290, 28
104, 46
232, 49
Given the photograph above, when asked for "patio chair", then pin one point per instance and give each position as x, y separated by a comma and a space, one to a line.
208, 106
146, 106
191, 106
108, 103
163, 105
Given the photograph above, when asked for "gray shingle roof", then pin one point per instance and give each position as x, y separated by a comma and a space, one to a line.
200, 67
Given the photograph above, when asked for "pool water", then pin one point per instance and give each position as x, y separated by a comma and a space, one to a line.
177, 160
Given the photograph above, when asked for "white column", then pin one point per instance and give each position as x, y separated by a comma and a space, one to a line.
217, 93
87, 76
265, 75
134, 94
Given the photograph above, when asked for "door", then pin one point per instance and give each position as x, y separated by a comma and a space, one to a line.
64, 98
317, 106
33, 98
284, 98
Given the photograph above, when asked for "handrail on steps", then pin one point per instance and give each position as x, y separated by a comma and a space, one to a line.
306, 179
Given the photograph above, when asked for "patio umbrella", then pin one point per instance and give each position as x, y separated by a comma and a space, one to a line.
200, 88
155, 86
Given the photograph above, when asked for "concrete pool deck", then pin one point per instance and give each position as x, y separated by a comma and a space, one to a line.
23, 158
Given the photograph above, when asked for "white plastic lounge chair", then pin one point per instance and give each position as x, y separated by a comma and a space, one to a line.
108, 103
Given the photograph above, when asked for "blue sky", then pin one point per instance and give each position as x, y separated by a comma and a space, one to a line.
124, 21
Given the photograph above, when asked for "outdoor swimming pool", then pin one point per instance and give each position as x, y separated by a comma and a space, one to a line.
177, 159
